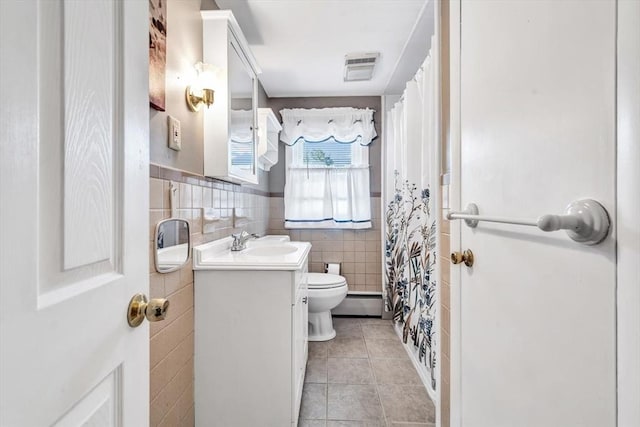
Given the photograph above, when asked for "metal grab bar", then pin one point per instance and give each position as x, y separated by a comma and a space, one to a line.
586, 221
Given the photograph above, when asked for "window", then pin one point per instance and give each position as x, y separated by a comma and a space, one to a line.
241, 153
327, 154
327, 179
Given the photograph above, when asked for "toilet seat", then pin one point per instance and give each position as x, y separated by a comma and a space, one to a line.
325, 281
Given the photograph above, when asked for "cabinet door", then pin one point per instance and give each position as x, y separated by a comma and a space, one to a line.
300, 337
304, 319
304, 335
242, 117
229, 128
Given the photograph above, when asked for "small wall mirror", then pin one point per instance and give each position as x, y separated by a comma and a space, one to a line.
172, 244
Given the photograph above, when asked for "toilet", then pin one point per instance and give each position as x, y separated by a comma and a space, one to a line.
326, 291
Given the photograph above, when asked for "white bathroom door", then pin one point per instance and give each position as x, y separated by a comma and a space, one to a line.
536, 313
73, 212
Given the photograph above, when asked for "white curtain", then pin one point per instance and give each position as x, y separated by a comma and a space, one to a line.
345, 125
321, 196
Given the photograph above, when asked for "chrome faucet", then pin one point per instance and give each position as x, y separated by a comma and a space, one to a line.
240, 241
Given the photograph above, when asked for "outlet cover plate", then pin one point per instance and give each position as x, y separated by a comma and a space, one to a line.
175, 134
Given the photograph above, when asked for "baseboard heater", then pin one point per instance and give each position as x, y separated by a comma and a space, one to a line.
360, 304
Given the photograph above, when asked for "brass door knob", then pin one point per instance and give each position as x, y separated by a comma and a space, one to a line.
154, 310
157, 309
466, 257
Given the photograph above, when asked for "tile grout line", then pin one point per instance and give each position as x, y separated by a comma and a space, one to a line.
175, 349
174, 405
375, 378
376, 381
326, 407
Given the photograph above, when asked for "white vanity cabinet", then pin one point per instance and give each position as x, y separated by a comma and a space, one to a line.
230, 123
250, 338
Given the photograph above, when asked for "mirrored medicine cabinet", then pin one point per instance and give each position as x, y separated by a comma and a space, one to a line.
230, 125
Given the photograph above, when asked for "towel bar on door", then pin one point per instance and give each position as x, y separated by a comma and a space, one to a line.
586, 221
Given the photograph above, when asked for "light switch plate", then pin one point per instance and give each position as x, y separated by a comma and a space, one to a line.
175, 135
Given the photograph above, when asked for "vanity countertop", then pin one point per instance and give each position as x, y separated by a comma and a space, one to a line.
261, 254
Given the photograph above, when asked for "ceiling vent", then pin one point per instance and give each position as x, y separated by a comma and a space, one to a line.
359, 66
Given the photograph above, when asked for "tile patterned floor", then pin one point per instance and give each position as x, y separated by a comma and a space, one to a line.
363, 378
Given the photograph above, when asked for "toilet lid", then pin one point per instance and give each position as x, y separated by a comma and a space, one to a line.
325, 281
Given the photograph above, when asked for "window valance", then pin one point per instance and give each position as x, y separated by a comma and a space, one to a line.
345, 125
241, 126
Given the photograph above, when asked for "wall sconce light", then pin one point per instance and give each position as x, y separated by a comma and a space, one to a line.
201, 91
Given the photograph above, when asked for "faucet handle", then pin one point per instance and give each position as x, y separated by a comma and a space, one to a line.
239, 240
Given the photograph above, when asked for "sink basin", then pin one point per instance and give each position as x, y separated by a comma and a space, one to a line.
267, 253
268, 241
271, 250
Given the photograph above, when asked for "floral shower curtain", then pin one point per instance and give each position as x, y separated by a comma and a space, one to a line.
410, 220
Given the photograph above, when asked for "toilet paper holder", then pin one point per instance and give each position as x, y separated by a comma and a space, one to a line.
332, 267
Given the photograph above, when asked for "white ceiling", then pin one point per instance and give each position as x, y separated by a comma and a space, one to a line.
300, 44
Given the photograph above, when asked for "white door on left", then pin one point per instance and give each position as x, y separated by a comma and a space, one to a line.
73, 212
